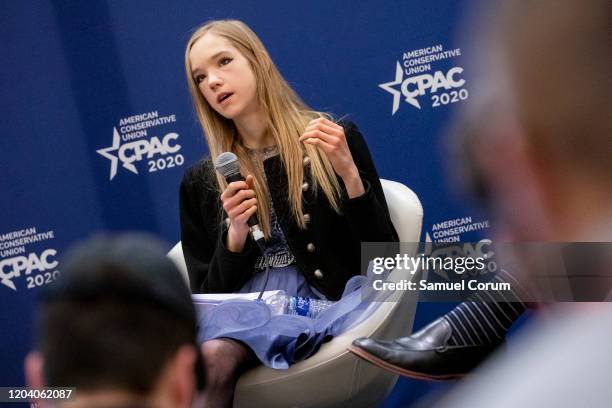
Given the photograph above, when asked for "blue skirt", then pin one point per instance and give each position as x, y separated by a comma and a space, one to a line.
281, 340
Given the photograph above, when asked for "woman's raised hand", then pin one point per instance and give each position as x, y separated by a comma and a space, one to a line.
239, 203
330, 137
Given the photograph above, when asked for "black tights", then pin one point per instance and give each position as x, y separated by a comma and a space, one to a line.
224, 361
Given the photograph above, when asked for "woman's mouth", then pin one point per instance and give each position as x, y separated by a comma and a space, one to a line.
223, 97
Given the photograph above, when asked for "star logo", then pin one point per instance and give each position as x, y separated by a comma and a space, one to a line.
106, 152
390, 87
8, 282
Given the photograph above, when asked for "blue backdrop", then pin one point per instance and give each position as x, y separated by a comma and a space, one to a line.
98, 125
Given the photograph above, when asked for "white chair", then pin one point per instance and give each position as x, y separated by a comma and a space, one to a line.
334, 377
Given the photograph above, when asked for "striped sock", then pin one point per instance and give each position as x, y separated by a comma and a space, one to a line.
487, 318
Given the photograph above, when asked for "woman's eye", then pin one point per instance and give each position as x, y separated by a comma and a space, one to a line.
199, 78
225, 61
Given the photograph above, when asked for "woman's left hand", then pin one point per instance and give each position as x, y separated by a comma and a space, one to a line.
330, 137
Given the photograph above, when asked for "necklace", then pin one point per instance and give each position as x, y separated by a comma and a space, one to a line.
264, 152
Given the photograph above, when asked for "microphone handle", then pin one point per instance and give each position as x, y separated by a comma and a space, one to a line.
238, 177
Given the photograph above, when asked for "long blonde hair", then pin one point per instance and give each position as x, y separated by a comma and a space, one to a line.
286, 118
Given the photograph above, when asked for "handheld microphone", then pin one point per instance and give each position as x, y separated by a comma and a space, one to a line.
227, 164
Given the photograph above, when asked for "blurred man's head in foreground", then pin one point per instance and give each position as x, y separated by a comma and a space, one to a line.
119, 326
542, 124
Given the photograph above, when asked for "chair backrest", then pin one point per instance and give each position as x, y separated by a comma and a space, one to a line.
405, 210
404, 207
176, 255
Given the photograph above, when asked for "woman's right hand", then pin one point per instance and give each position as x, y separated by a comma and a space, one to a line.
239, 203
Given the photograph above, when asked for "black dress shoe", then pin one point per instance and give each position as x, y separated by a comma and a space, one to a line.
425, 354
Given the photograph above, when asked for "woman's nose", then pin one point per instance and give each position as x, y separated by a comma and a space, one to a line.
214, 80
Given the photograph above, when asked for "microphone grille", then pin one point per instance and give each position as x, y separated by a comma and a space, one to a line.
227, 164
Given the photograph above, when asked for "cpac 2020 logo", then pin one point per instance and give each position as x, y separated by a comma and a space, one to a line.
131, 153
44, 263
414, 87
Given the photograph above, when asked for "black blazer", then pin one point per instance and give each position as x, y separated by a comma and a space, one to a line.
337, 238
